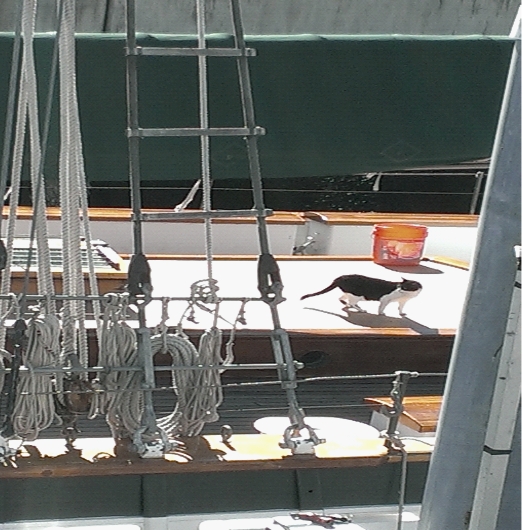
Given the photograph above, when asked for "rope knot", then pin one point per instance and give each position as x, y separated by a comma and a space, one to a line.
204, 291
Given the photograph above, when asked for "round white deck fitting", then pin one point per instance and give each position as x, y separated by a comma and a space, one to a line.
326, 427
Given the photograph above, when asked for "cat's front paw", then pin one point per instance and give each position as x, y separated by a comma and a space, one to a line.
403, 314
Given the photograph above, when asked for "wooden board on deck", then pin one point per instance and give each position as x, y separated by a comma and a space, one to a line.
420, 413
204, 454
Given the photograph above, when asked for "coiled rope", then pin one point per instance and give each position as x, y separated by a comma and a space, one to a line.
123, 409
34, 408
199, 392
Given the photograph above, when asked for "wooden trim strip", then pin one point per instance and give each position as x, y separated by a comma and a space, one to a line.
53, 468
58, 273
250, 257
124, 214
279, 217
369, 332
451, 262
355, 218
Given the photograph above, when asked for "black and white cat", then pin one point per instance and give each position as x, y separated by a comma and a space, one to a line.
357, 288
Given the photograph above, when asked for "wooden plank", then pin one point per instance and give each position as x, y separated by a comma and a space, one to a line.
204, 454
458, 264
108, 282
281, 217
355, 218
253, 257
420, 413
124, 214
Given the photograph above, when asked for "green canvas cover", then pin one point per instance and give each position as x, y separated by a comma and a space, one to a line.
335, 105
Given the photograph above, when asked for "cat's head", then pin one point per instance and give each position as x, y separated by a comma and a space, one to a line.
410, 285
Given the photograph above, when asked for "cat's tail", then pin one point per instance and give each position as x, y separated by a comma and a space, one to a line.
332, 286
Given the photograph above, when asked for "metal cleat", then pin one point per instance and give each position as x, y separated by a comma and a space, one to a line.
298, 444
7, 455
153, 448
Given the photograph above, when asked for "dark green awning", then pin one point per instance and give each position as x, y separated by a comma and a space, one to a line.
331, 105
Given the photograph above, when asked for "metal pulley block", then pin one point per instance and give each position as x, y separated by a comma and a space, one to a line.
139, 284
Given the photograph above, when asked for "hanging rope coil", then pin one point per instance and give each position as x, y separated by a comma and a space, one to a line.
199, 392
124, 408
34, 408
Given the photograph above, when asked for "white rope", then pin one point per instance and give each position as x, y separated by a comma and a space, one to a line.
199, 392
27, 111
205, 140
34, 408
122, 399
73, 199
44, 276
240, 319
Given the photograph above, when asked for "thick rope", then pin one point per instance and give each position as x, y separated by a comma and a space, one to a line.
67, 178
123, 408
44, 277
73, 199
27, 110
34, 408
199, 392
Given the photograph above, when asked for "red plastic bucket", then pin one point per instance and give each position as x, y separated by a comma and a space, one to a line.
398, 244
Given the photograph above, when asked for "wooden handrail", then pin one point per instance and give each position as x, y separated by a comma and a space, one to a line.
371, 218
279, 217
124, 214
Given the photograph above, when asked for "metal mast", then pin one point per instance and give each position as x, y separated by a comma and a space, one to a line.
462, 442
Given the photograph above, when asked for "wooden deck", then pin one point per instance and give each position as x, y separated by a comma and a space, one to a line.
357, 343
353, 343
436, 310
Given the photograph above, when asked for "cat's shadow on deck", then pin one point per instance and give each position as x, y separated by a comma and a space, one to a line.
370, 320
413, 269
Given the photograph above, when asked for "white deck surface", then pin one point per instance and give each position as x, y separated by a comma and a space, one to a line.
364, 518
325, 427
438, 306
